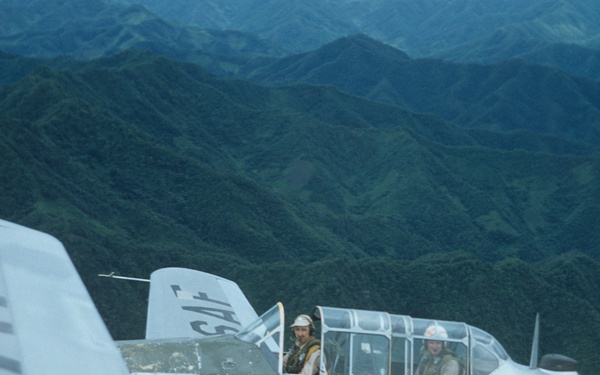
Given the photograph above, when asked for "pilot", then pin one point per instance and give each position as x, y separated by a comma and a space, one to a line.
436, 359
305, 355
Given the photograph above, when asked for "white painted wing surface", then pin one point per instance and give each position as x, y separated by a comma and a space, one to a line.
48, 322
184, 303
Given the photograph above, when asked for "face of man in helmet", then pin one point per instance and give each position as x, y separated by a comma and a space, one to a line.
434, 347
302, 334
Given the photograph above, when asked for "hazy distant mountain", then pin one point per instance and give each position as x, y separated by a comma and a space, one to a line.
465, 30
88, 29
296, 25
501, 46
218, 33
504, 97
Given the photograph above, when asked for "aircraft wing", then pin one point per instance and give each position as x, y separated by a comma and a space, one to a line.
48, 322
185, 303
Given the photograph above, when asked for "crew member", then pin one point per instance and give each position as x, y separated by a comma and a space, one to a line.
436, 359
305, 355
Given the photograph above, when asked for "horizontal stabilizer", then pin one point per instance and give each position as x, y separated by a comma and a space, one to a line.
185, 303
558, 362
48, 322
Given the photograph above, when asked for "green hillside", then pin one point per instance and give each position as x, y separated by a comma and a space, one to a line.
301, 194
504, 97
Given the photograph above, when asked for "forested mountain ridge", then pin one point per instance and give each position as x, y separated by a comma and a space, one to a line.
573, 59
504, 97
88, 29
422, 26
511, 97
220, 35
138, 162
464, 31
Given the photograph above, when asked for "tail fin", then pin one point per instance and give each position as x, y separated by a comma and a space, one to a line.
192, 304
533, 362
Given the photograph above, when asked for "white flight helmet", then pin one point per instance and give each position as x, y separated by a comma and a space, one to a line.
304, 321
436, 332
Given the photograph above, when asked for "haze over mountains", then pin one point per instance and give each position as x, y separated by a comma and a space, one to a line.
551, 32
353, 174
87, 29
505, 97
421, 28
556, 32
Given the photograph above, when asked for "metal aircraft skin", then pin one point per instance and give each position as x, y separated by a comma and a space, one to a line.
199, 323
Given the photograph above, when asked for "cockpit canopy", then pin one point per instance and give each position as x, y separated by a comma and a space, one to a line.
373, 342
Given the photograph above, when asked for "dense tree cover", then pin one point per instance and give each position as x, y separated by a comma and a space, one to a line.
507, 96
300, 194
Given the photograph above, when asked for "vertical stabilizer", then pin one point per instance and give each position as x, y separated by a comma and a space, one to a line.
193, 304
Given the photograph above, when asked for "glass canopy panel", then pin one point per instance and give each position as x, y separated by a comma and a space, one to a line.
335, 318
372, 321
355, 341
454, 335
483, 361
401, 325
264, 327
483, 338
358, 341
337, 349
356, 320
370, 354
267, 333
448, 331
401, 344
486, 352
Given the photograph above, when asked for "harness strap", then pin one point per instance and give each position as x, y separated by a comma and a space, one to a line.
298, 357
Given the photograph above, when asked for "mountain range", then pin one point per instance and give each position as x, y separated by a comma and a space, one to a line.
555, 32
87, 29
352, 174
425, 27
509, 96
138, 162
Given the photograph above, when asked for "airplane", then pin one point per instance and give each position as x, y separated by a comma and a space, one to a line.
199, 323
